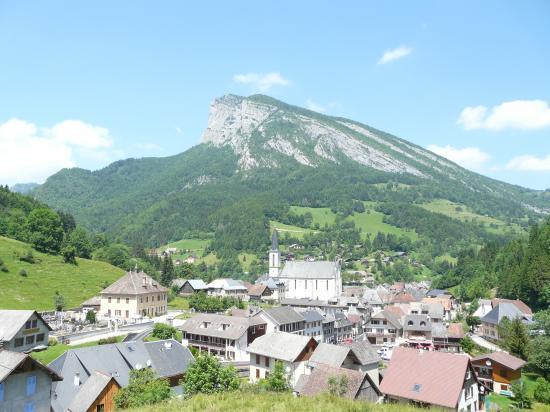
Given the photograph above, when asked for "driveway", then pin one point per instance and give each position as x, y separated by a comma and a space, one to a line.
485, 343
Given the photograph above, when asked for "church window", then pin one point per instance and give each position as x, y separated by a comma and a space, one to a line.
315, 284
294, 283
327, 284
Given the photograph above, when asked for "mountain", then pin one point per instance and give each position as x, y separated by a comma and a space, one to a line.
24, 188
257, 157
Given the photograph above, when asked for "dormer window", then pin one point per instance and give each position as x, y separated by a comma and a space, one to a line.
204, 325
225, 326
410, 323
422, 323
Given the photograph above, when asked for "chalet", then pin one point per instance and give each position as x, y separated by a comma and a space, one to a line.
259, 293
25, 384
432, 379
359, 384
490, 322
190, 286
222, 335
385, 326
360, 356
417, 329
498, 370
283, 319
22, 330
88, 371
520, 305
134, 296
434, 310
447, 336
227, 287
293, 350
277, 287
92, 304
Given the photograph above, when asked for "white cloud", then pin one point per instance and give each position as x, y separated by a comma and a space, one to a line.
468, 157
529, 163
31, 154
316, 107
516, 114
77, 133
261, 81
395, 54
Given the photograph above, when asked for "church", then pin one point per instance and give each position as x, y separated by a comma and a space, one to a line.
311, 280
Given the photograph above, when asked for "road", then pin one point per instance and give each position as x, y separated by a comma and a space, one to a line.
485, 343
137, 335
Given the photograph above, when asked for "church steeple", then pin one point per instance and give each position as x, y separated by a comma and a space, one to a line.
274, 256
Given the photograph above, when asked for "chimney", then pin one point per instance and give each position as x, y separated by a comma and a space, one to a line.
168, 345
77, 379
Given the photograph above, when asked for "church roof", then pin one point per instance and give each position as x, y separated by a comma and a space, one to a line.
310, 270
274, 241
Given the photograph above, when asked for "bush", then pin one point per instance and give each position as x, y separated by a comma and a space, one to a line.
106, 341
521, 397
23, 272
4, 268
144, 389
27, 257
277, 380
164, 331
52, 342
467, 344
542, 390
69, 254
207, 375
91, 317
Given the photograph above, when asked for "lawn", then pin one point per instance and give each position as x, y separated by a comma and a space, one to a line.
188, 247
53, 352
294, 231
179, 303
49, 274
321, 215
246, 259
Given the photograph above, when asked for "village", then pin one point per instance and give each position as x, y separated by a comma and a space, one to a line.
396, 343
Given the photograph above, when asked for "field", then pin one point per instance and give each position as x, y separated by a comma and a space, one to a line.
53, 352
294, 231
49, 274
270, 402
370, 221
463, 213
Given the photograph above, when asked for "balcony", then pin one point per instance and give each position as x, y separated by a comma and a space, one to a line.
206, 343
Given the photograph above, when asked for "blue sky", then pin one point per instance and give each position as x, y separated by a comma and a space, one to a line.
87, 83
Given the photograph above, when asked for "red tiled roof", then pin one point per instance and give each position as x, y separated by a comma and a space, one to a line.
504, 359
404, 297
396, 310
431, 377
256, 290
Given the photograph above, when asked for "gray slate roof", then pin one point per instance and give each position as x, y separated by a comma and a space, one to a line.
89, 392
365, 352
237, 326
310, 270
312, 315
284, 314
227, 284
11, 321
416, 323
280, 345
329, 354
132, 283
502, 310
116, 360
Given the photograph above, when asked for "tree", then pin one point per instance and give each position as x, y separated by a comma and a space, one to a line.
80, 240
144, 389
58, 301
541, 391
207, 375
90, 316
167, 269
539, 355
164, 331
45, 230
467, 344
338, 386
542, 321
69, 254
277, 380
517, 339
521, 397
472, 321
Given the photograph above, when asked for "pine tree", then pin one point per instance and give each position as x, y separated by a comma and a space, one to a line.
167, 270
517, 341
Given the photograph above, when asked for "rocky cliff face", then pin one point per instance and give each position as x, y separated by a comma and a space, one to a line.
258, 127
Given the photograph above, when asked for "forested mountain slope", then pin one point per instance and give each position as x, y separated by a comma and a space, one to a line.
258, 156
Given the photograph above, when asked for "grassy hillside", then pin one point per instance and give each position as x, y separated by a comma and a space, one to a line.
270, 402
47, 275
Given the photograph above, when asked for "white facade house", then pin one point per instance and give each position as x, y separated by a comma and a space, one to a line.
227, 287
292, 350
282, 319
22, 330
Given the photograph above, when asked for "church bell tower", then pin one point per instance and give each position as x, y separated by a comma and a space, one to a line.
274, 256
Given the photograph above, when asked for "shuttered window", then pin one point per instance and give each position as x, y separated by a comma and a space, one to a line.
31, 385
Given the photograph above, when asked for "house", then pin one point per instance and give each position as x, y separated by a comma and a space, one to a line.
92, 304
227, 287
498, 370
328, 329
168, 358
490, 322
25, 384
313, 324
372, 298
434, 310
259, 293
22, 330
283, 319
522, 306
417, 329
483, 308
190, 286
191, 259
293, 350
359, 384
320, 280
277, 287
444, 302
343, 328
447, 336
222, 335
432, 379
385, 326
360, 356
134, 296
